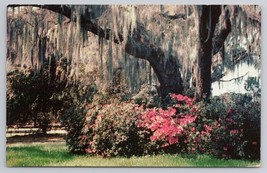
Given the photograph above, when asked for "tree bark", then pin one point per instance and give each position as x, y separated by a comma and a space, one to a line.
221, 35
208, 18
170, 77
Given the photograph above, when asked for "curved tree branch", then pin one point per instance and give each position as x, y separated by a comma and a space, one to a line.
220, 36
229, 80
174, 17
137, 48
170, 79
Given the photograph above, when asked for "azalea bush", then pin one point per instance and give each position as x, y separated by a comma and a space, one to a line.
227, 127
125, 129
75, 99
175, 128
238, 132
111, 130
168, 125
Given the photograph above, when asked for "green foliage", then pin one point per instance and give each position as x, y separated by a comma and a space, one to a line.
18, 97
237, 134
147, 96
75, 99
227, 127
111, 130
32, 96
252, 84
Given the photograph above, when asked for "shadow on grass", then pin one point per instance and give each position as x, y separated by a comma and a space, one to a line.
32, 156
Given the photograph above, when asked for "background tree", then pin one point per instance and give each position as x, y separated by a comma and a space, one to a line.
33, 97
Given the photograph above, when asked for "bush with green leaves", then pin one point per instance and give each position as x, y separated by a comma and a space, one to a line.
78, 99
19, 97
111, 130
32, 96
237, 134
75, 99
228, 127
114, 128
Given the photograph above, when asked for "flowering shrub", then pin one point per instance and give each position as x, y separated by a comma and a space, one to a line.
197, 136
227, 127
238, 132
168, 126
110, 130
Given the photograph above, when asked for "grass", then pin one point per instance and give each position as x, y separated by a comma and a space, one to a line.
56, 154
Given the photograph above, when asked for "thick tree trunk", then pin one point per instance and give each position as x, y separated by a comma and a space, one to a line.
168, 75
209, 17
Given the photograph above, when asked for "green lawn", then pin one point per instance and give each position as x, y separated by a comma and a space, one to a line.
57, 155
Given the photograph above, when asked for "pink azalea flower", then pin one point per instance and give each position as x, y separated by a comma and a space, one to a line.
173, 140
233, 132
207, 128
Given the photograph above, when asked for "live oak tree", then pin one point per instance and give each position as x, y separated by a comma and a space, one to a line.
173, 39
